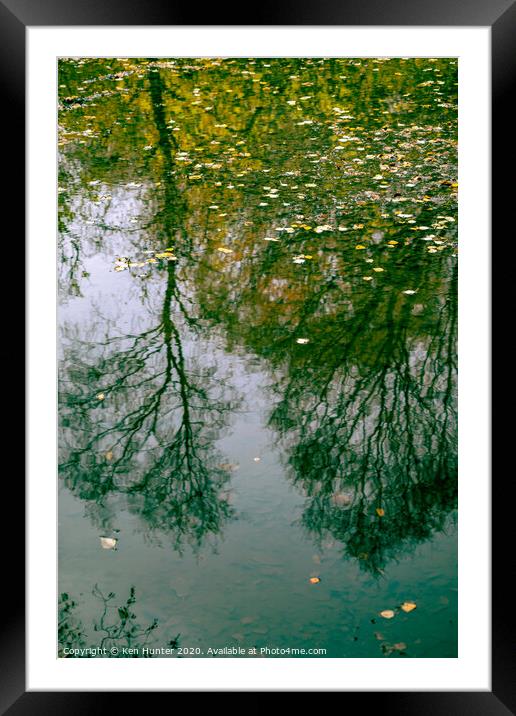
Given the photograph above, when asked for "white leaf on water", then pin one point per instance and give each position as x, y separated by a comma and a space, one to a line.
108, 542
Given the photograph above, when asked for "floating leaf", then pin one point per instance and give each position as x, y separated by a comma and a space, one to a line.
408, 606
387, 614
108, 542
314, 580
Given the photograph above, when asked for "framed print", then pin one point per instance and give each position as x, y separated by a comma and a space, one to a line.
258, 271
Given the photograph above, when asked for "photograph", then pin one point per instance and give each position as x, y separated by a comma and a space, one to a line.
257, 264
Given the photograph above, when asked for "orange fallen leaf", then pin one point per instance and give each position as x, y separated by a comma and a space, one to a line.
408, 606
314, 580
380, 511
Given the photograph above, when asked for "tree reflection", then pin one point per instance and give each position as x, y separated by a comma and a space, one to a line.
140, 421
368, 418
139, 416
120, 635
303, 198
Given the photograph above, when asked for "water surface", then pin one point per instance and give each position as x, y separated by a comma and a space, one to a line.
258, 319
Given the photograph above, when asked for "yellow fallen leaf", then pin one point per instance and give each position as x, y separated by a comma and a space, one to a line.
380, 511
387, 614
359, 246
378, 269
408, 606
109, 455
392, 243
224, 250
100, 396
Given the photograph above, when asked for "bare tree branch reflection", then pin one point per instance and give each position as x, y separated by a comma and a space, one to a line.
368, 418
244, 165
140, 416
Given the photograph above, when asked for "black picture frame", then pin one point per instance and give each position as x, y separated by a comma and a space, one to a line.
500, 16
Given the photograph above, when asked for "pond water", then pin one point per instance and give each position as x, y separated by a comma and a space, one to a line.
257, 381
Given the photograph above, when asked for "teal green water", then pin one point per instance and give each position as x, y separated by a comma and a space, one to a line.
258, 319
